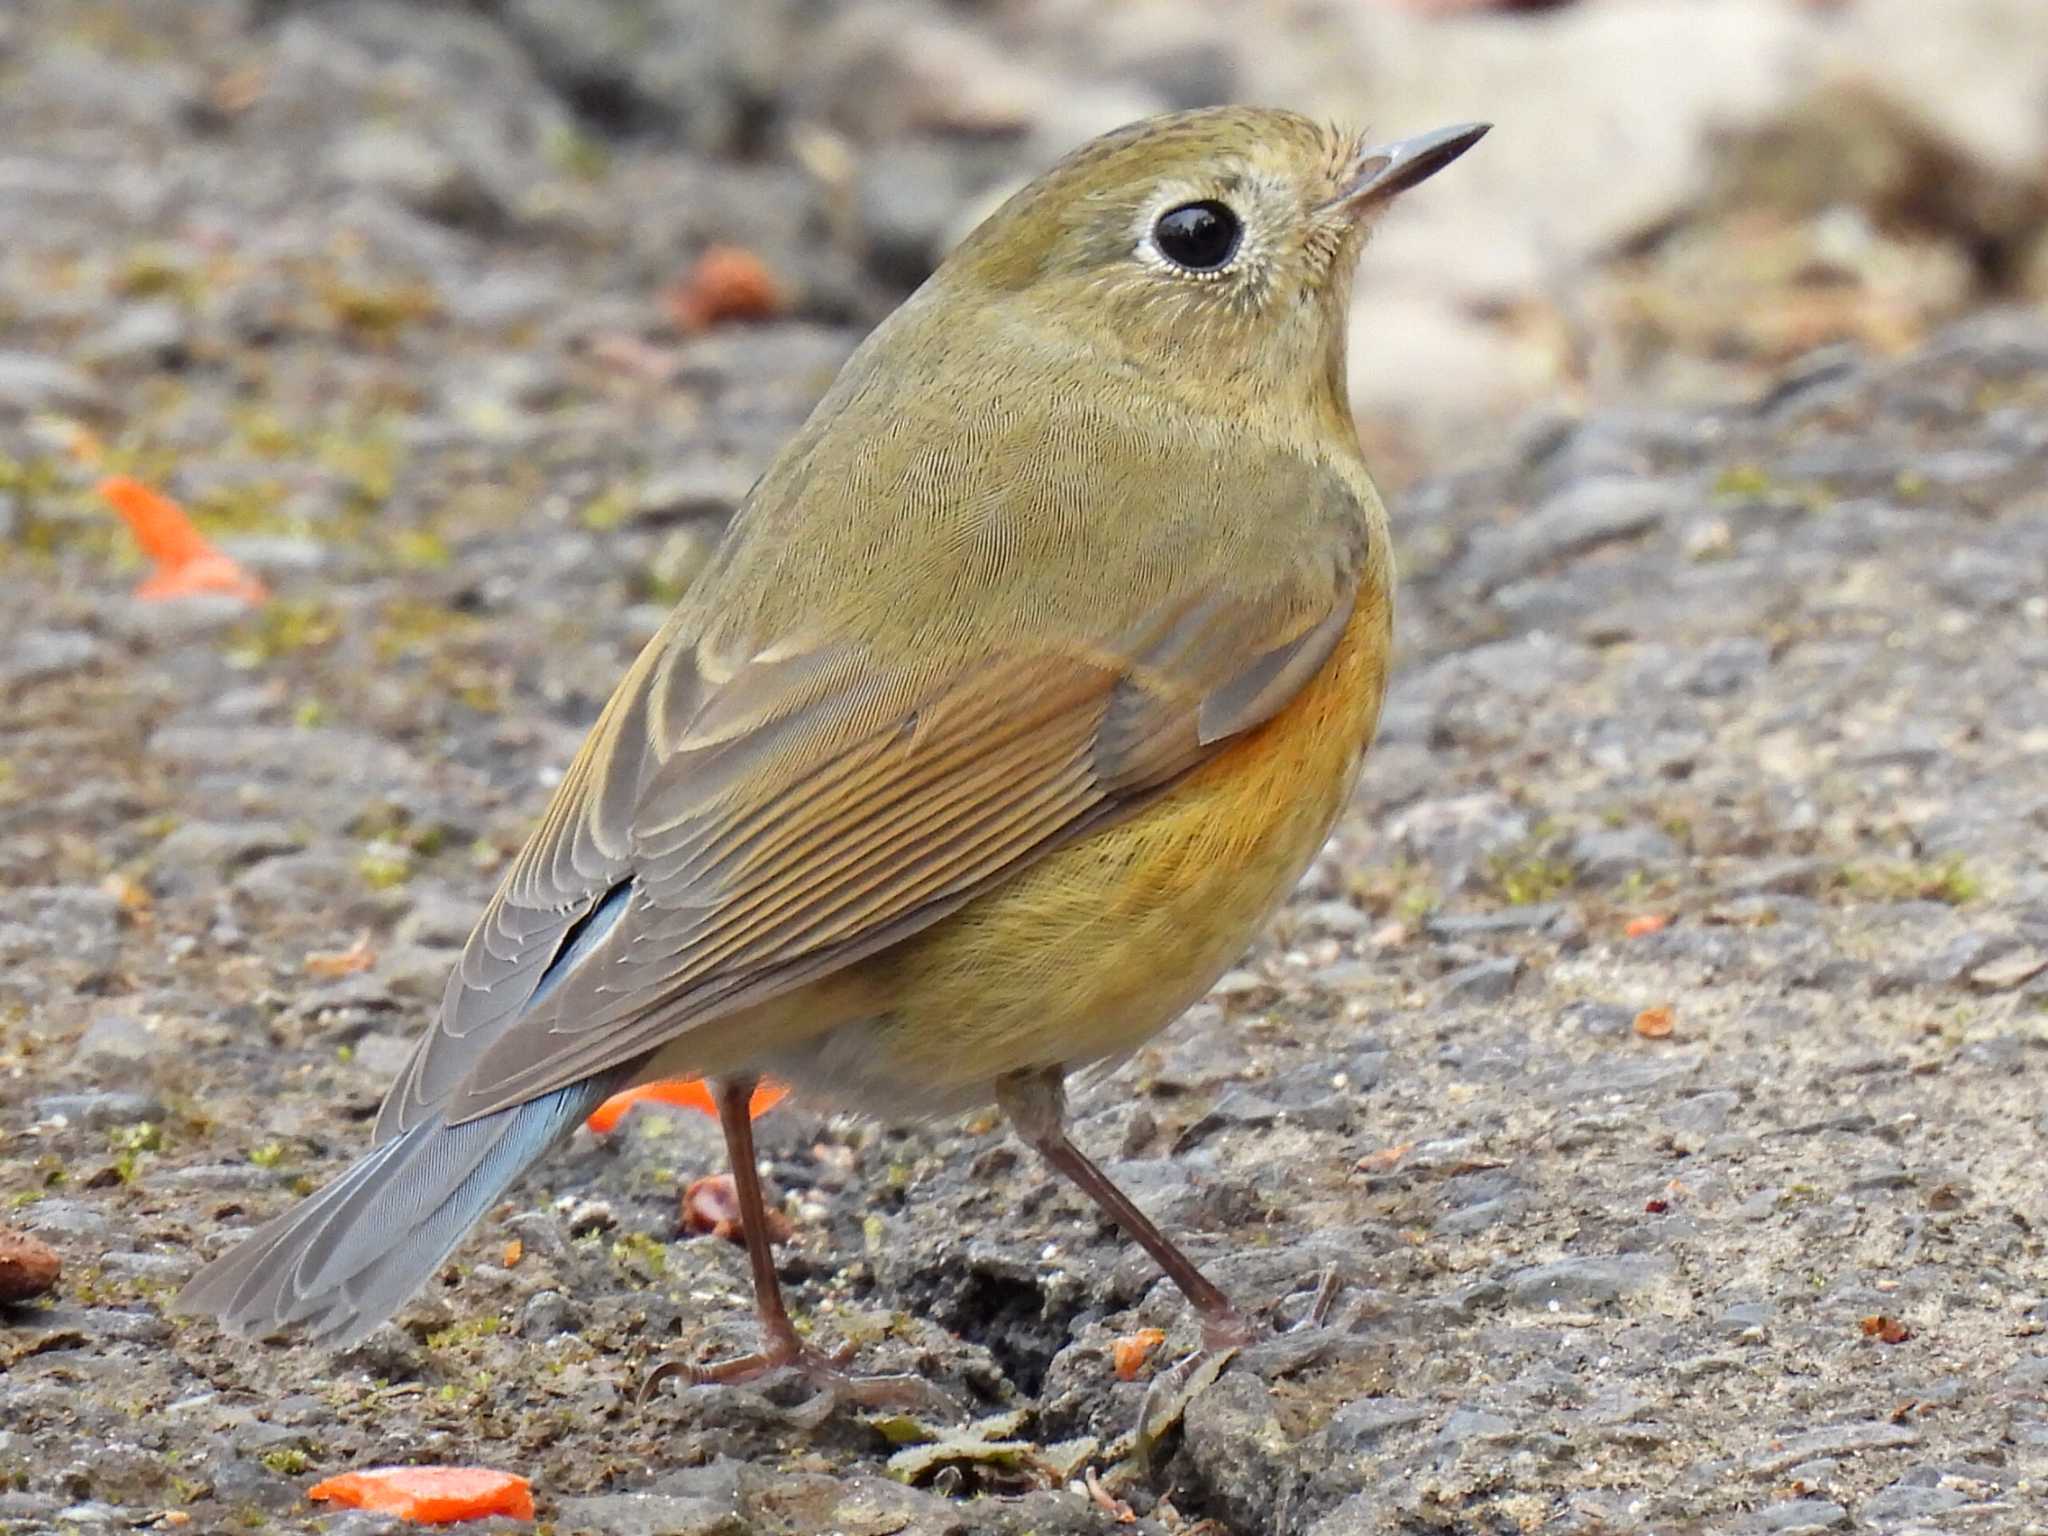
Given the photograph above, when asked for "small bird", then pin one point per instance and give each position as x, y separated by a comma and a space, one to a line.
1024, 686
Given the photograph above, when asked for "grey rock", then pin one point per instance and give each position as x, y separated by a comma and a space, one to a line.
1361, 1426
1835, 1440
30, 383
1611, 854
1486, 981
1577, 521
99, 1108
1235, 1450
1902, 1501
697, 489
151, 333
1588, 1282
1612, 1020
68, 1218
650, 1514
1797, 1515
546, 1314
116, 1037
1474, 1424
42, 654
226, 847
1455, 837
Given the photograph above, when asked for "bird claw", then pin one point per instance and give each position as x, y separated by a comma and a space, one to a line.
826, 1374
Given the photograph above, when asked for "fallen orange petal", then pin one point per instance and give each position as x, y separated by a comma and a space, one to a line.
1647, 923
681, 1093
727, 283
185, 563
430, 1495
1130, 1351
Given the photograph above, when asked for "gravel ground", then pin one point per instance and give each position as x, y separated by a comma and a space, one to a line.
1656, 1056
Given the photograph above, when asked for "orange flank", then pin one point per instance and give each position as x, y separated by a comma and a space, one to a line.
682, 1092
185, 562
431, 1495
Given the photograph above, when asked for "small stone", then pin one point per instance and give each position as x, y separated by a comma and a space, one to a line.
699, 489
152, 334
1487, 981
1587, 1282
1797, 1515
31, 383
1360, 1426
1613, 854
98, 1109
115, 1037
2009, 970
1600, 1019
42, 654
546, 1314
648, 1514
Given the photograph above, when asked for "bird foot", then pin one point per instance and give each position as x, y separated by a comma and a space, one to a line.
826, 1374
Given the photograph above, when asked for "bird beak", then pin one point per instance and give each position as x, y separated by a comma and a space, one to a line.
1383, 173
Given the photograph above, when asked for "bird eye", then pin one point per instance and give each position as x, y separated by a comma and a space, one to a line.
1200, 237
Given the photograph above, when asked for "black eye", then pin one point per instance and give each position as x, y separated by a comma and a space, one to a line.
1199, 236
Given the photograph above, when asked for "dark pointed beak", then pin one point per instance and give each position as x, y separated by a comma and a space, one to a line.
1391, 169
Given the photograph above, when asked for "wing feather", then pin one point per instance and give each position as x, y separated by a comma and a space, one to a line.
814, 804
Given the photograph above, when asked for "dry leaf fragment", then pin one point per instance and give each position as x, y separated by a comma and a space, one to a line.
515, 1250
1384, 1159
330, 964
1886, 1330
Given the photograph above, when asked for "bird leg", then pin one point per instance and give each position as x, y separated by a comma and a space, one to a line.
1036, 1103
780, 1346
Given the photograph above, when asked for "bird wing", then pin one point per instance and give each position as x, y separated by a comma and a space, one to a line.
732, 831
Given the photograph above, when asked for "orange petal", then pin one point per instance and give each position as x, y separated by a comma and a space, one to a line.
683, 1093
184, 561
1130, 1351
431, 1495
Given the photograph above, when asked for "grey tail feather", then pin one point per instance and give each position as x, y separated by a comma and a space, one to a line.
346, 1257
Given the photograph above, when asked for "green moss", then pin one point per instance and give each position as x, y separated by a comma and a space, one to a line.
376, 313
256, 506
418, 549
456, 1335
269, 1155
287, 1461
1526, 879
143, 1136
1945, 880
383, 871
638, 1251
607, 510
282, 627
1746, 480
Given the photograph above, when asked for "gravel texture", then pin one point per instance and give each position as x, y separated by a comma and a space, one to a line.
1657, 1058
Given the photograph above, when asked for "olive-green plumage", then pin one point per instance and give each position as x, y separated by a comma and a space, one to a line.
1025, 684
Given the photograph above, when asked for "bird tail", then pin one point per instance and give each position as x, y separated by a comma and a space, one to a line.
346, 1257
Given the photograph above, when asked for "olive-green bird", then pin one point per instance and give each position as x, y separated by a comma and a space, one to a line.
1025, 685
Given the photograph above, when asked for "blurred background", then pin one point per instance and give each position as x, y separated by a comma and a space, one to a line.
1681, 194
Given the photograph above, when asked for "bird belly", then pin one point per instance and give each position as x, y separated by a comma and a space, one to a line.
1089, 951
